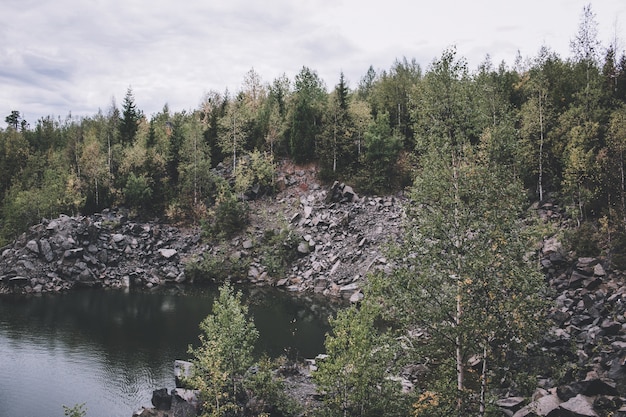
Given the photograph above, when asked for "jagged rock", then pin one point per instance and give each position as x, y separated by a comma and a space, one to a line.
185, 402
599, 271
303, 248
32, 246
356, 297
168, 253
579, 406
543, 406
511, 403
182, 370
161, 399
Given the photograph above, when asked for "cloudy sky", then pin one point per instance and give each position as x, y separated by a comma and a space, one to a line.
64, 56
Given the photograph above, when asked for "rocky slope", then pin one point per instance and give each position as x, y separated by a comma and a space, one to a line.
341, 237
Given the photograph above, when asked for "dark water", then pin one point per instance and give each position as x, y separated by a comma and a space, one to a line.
110, 349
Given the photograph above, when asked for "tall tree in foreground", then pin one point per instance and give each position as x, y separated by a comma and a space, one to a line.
466, 287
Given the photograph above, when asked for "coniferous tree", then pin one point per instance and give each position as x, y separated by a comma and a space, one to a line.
129, 122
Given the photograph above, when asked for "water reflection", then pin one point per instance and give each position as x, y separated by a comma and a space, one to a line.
110, 349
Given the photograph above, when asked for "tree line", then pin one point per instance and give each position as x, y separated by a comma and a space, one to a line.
556, 123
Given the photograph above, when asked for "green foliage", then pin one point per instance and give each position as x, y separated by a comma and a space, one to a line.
582, 240
266, 391
465, 284
379, 169
224, 355
217, 268
255, 170
130, 119
279, 248
355, 378
78, 410
223, 368
229, 216
305, 114
137, 192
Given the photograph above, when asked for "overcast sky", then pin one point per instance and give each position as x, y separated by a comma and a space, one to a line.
64, 56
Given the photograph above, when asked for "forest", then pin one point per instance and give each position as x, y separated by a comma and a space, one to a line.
557, 124
472, 148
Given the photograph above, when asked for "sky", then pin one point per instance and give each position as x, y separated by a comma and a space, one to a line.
75, 56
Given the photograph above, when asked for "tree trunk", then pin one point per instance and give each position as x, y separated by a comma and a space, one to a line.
540, 149
234, 146
460, 372
483, 382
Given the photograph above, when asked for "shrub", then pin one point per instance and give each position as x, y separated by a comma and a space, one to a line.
255, 170
583, 240
228, 217
216, 268
137, 192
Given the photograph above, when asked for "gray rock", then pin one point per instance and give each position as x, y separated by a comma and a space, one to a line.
579, 406
185, 403
32, 246
161, 399
46, 250
182, 370
541, 407
167, 253
303, 248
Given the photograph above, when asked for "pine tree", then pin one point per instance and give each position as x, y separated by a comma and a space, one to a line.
130, 119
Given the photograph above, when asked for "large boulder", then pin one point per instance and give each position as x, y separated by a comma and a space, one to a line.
161, 399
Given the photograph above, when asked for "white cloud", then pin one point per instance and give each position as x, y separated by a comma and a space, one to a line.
73, 55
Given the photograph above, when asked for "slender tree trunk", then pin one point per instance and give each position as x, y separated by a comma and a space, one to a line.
109, 151
483, 382
234, 146
460, 372
96, 196
195, 168
335, 145
623, 188
540, 149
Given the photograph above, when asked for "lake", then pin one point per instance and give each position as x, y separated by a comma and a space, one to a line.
111, 349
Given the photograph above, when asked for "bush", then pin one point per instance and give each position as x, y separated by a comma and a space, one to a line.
216, 268
279, 250
227, 218
255, 170
137, 192
583, 240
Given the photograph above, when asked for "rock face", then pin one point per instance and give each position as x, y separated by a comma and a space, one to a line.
101, 250
342, 238
589, 331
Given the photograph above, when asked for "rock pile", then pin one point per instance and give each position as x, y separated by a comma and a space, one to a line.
589, 332
101, 250
342, 238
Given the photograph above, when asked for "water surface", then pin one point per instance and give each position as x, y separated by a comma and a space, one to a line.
110, 349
